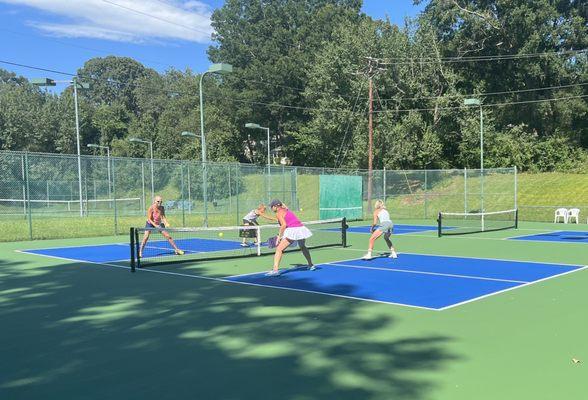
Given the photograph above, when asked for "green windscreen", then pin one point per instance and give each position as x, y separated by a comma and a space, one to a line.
340, 196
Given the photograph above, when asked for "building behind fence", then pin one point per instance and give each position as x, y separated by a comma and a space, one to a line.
40, 198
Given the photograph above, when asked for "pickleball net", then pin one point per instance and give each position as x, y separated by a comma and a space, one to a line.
451, 223
194, 244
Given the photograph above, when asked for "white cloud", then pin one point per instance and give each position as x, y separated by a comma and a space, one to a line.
134, 21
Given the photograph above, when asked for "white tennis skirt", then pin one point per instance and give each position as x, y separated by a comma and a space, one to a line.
297, 233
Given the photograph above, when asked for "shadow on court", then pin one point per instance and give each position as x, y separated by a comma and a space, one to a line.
78, 331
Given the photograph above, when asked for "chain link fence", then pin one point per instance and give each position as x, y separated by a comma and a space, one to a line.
40, 196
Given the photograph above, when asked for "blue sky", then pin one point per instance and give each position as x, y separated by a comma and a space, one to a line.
61, 35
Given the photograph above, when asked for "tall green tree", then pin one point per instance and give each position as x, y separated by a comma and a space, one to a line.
273, 46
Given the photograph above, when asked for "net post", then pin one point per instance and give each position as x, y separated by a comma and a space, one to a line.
516, 218
258, 234
344, 231
132, 241
137, 247
439, 225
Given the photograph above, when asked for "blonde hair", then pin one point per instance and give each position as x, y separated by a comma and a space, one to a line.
379, 204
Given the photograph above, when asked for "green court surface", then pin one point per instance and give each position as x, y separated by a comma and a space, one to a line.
72, 330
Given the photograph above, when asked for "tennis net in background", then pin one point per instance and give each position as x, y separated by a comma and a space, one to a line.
224, 242
450, 223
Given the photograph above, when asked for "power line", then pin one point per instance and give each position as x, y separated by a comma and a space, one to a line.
84, 47
488, 93
347, 128
297, 46
156, 17
36, 68
498, 57
483, 105
286, 106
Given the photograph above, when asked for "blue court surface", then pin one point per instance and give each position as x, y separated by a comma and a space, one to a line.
398, 229
121, 252
557, 236
423, 281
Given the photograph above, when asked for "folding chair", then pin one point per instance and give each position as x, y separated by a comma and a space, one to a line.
561, 213
573, 213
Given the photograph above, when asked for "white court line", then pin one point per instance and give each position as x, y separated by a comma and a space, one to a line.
225, 280
515, 287
81, 245
426, 273
474, 258
523, 238
549, 241
535, 234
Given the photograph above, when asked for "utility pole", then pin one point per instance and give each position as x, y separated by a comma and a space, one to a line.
374, 67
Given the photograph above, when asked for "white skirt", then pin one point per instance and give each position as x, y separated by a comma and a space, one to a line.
298, 233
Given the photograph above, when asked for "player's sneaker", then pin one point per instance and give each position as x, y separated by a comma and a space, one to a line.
179, 252
367, 256
311, 268
244, 244
273, 272
393, 254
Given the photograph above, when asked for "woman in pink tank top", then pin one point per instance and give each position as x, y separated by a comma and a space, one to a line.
291, 230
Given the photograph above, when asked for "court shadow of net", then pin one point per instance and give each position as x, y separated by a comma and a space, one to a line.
84, 331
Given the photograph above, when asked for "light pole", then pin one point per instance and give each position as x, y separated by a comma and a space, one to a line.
150, 143
97, 146
76, 85
477, 102
251, 125
220, 69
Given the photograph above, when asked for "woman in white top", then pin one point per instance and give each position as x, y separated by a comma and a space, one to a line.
382, 224
251, 220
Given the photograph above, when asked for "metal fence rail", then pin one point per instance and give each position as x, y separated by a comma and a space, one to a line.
39, 193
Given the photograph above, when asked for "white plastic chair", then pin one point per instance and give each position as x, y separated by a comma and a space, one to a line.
563, 213
573, 213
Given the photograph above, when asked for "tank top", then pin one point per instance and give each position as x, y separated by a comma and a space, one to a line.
384, 216
154, 213
251, 216
292, 220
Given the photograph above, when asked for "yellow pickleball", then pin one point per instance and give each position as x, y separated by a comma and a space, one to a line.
220, 234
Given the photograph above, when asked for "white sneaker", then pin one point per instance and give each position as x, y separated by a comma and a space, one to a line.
273, 273
367, 256
393, 254
311, 268
244, 244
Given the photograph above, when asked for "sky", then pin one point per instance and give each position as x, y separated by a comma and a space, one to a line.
60, 35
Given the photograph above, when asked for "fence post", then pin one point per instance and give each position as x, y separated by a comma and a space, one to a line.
28, 194
24, 190
465, 190
426, 205
516, 206
143, 187
229, 168
237, 169
182, 194
189, 191
85, 203
295, 189
384, 184
114, 196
